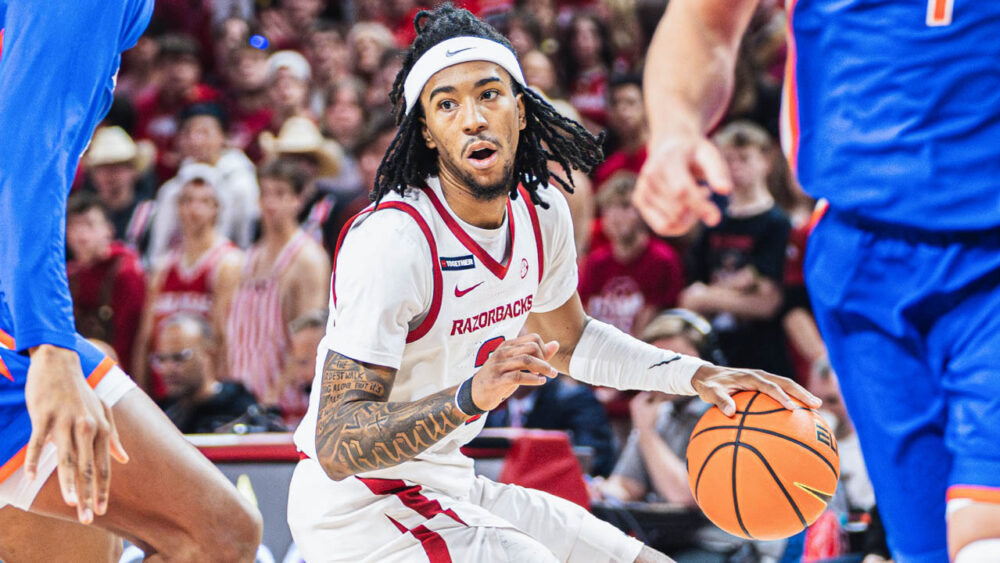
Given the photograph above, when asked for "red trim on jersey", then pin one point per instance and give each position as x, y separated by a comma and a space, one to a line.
432, 313
535, 226
432, 542
499, 270
410, 496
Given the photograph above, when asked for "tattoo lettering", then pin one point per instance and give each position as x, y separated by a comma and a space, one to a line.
358, 430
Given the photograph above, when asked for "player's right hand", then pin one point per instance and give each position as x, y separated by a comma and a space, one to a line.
65, 410
521, 361
675, 185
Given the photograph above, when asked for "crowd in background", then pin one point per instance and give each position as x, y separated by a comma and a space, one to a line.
244, 134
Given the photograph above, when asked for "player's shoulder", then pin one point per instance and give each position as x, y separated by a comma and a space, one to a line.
394, 226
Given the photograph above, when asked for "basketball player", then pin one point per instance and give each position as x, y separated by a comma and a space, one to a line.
893, 115
198, 277
57, 67
431, 288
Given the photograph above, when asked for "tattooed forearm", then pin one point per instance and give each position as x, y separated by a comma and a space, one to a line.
358, 431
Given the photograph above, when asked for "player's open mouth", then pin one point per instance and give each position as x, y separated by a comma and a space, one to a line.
482, 157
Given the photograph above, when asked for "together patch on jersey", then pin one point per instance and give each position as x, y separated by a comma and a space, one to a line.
454, 263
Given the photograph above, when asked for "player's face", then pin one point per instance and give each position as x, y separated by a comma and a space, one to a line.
197, 207
473, 119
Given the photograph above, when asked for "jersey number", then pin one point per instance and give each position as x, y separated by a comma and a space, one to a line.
939, 12
488, 348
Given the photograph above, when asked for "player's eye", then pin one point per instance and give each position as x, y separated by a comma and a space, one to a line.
446, 105
491, 94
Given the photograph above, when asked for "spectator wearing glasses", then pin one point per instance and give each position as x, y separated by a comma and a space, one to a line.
196, 402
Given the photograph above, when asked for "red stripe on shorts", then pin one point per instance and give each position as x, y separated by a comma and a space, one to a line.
410, 496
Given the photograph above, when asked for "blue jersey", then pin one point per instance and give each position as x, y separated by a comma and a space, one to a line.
58, 61
893, 109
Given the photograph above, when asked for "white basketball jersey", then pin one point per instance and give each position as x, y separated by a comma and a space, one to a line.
477, 300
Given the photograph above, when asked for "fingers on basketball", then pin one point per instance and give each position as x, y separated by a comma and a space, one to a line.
766, 474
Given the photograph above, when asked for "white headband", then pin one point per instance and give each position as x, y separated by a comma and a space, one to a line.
452, 52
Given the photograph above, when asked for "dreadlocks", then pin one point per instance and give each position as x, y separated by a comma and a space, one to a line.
547, 135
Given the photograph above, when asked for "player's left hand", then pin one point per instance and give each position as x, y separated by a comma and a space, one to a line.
714, 384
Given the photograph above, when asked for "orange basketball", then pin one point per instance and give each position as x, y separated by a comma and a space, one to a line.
767, 473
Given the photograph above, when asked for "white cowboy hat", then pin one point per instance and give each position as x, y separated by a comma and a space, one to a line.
300, 136
112, 145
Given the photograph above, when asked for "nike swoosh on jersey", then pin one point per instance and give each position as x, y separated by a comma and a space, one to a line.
461, 292
450, 53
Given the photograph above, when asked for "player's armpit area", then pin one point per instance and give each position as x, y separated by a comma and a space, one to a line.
358, 430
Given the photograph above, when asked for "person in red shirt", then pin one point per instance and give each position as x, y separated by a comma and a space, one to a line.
181, 87
197, 278
106, 278
626, 282
627, 127
587, 62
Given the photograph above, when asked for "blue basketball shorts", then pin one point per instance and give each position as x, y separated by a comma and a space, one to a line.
103, 375
912, 324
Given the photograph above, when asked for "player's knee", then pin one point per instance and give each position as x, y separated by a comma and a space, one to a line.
239, 536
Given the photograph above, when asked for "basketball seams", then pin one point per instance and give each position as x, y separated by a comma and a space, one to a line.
774, 476
809, 448
736, 451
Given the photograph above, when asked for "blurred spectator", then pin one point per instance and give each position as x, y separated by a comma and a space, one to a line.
581, 201
544, 14
328, 54
288, 75
179, 88
291, 393
287, 24
106, 278
331, 177
855, 486
626, 282
561, 404
754, 98
230, 34
540, 73
652, 466
377, 95
140, 76
522, 30
737, 267
198, 277
627, 125
367, 42
196, 402
118, 171
374, 144
345, 116
400, 19
203, 144
586, 59
286, 275
246, 101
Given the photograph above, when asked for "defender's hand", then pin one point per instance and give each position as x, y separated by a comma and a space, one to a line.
675, 184
65, 410
522, 361
714, 384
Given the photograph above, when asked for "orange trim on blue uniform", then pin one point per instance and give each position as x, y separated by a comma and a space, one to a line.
978, 493
6, 340
790, 103
95, 377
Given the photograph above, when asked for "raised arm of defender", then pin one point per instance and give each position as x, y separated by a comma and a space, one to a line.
687, 82
597, 353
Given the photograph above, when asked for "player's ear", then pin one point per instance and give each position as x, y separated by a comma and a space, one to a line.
426, 134
522, 116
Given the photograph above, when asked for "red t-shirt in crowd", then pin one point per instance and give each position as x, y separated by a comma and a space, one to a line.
589, 95
117, 282
617, 161
616, 292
